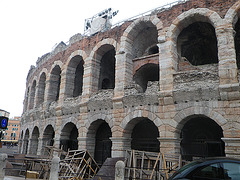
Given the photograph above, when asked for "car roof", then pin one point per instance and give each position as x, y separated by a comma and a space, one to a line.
217, 159
204, 162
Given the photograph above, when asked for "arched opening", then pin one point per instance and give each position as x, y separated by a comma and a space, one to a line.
197, 44
98, 140
34, 141
55, 80
74, 76
237, 42
107, 69
41, 89
26, 100
145, 136
145, 40
48, 137
68, 138
32, 95
103, 144
201, 137
26, 141
148, 72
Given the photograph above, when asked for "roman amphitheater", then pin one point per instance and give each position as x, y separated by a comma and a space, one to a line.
164, 81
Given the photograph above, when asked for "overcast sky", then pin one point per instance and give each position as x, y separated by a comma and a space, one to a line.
31, 28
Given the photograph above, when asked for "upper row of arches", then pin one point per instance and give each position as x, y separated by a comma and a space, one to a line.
197, 35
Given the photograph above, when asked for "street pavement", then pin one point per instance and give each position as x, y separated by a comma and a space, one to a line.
9, 150
15, 178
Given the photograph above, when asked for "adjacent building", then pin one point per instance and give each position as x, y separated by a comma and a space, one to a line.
11, 134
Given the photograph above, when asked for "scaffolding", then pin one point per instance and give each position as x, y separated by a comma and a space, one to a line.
150, 165
78, 165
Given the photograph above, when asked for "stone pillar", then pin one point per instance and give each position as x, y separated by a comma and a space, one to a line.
19, 145
120, 145
57, 142
39, 148
3, 162
29, 142
124, 70
168, 64
82, 143
54, 168
87, 80
229, 86
119, 170
232, 147
169, 145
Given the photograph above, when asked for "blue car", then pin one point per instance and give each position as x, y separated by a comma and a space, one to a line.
209, 168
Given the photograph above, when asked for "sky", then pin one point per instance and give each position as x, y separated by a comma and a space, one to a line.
31, 28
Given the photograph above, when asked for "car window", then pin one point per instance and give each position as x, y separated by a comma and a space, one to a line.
231, 171
213, 171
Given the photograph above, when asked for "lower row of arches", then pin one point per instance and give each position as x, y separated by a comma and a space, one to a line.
200, 136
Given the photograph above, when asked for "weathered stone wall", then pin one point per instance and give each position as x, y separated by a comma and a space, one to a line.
182, 91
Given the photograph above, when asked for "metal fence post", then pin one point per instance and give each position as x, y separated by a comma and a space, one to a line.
119, 170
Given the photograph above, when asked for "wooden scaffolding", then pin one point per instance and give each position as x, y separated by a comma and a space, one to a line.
150, 165
78, 165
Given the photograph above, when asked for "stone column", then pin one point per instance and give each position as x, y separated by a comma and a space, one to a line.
54, 168
3, 162
229, 86
119, 170
169, 145
22, 146
168, 64
124, 70
57, 142
40, 145
120, 145
82, 143
19, 145
29, 142
232, 147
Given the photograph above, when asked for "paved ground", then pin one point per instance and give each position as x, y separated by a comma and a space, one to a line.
15, 178
10, 150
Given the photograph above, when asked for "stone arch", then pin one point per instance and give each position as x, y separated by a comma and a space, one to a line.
32, 93
109, 120
74, 71
99, 142
201, 136
132, 125
41, 88
34, 141
54, 81
182, 117
141, 113
48, 137
69, 137
232, 18
184, 20
27, 94
132, 35
103, 63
